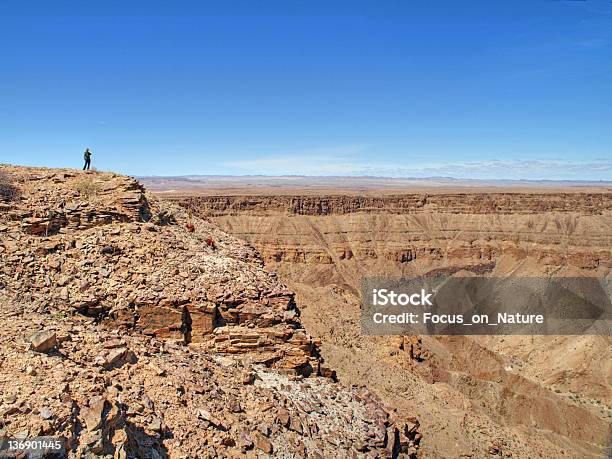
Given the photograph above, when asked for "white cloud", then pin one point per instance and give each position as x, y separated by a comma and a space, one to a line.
346, 161
507, 169
316, 161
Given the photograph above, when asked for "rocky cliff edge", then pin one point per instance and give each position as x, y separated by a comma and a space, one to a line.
133, 329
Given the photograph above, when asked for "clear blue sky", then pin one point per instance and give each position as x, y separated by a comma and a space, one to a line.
507, 89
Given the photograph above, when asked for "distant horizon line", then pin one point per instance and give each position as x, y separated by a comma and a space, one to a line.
189, 177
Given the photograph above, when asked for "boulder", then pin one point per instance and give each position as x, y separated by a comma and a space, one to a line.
43, 341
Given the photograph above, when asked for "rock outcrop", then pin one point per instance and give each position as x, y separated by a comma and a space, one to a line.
133, 334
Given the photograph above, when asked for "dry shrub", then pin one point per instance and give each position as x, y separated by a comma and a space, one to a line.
87, 187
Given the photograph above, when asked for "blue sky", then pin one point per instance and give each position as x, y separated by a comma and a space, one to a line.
478, 89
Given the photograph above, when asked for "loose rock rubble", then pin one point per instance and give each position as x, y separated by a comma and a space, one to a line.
129, 335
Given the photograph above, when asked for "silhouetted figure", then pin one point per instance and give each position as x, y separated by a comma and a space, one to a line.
87, 157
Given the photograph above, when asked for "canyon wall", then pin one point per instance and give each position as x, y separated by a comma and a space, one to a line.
473, 203
554, 228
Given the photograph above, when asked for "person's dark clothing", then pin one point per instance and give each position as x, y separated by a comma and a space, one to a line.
87, 157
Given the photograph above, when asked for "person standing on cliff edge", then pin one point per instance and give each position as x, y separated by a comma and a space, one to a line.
87, 158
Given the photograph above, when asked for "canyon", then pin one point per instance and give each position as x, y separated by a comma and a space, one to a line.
223, 324
477, 396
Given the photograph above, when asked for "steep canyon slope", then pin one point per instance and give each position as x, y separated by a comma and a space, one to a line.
475, 396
